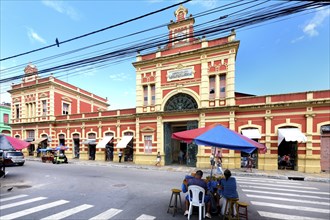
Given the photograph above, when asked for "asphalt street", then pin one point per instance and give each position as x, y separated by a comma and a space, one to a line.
97, 190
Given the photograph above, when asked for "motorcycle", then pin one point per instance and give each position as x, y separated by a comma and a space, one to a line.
60, 157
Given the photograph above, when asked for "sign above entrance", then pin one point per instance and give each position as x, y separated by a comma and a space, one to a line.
179, 74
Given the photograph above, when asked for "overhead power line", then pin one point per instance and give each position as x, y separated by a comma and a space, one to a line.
57, 43
218, 26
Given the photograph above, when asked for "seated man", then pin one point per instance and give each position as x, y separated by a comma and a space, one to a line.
228, 188
197, 180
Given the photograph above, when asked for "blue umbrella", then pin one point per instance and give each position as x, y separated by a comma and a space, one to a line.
61, 148
219, 136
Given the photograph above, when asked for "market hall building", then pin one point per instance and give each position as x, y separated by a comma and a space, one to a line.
188, 83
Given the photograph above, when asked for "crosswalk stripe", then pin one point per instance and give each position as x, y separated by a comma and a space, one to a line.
12, 198
288, 199
145, 217
287, 217
284, 186
282, 189
33, 210
68, 212
107, 214
300, 208
285, 194
21, 203
267, 180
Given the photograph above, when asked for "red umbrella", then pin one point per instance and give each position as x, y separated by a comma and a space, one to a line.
15, 143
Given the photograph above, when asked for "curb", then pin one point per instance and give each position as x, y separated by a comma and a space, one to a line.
296, 177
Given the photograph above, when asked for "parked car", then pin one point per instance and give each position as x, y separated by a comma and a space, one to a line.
16, 157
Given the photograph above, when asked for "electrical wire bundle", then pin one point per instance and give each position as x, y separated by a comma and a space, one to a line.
249, 16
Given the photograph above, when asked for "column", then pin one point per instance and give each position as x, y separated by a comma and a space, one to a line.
230, 79
149, 95
204, 91
269, 161
217, 88
312, 161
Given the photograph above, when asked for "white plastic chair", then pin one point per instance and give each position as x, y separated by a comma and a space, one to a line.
194, 195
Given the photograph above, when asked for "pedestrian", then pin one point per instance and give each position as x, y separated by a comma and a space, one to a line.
249, 164
120, 155
181, 155
158, 159
212, 161
107, 147
219, 157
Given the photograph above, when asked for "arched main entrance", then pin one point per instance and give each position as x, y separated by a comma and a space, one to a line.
180, 102
172, 148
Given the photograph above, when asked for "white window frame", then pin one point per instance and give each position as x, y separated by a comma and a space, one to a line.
68, 110
147, 139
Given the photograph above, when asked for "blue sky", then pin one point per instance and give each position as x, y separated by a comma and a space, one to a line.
289, 55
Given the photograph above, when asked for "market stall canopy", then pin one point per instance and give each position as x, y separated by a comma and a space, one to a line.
124, 141
45, 149
38, 140
14, 143
219, 136
89, 141
251, 133
104, 142
29, 139
61, 148
291, 134
4, 143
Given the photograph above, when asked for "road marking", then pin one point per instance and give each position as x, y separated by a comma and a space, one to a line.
289, 200
68, 212
145, 217
284, 186
281, 189
288, 217
107, 214
299, 208
285, 194
268, 180
21, 203
33, 210
12, 197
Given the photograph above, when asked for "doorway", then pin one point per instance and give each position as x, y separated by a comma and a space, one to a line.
172, 147
287, 155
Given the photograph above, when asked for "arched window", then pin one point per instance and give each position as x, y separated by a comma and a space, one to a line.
180, 102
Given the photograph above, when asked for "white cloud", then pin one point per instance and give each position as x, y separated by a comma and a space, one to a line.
120, 77
34, 36
63, 8
204, 3
5, 97
297, 39
311, 27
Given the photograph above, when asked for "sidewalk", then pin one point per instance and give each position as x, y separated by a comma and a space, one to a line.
276, 174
